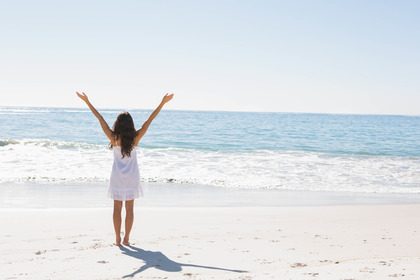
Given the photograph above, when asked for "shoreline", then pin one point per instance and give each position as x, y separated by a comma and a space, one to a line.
65, 231
39, 196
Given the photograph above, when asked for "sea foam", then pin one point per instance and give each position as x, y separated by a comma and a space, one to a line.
47, 161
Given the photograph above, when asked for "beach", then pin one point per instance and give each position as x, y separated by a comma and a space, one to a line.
227, 195
268, 140
205, 241
317, 242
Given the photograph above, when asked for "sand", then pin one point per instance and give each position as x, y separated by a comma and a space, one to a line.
305, 242
94, 195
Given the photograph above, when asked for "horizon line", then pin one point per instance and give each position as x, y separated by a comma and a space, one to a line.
214, 110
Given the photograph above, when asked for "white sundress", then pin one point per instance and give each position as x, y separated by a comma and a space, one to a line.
125, 176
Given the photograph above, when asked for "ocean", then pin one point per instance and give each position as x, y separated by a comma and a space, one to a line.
235, 150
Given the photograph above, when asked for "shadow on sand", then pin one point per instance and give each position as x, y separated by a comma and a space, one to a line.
160, 261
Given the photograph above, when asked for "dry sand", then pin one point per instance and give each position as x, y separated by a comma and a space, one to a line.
316, 242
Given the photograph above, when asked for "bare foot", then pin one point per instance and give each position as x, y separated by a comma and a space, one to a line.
126, 242
118, 242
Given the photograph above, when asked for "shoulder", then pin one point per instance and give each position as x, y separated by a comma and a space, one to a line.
137, 138
115, 142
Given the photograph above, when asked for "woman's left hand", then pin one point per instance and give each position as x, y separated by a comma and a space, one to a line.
83, 96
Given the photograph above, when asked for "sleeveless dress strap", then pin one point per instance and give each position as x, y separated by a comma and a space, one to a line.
115, 143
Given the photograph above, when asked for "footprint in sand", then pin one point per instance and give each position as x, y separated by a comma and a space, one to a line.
367, 269
296, 265
384, 263
396, 275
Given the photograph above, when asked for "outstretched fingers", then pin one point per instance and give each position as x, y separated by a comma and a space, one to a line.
82, 96
168, 97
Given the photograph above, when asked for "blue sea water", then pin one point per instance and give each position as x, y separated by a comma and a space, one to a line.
358, 153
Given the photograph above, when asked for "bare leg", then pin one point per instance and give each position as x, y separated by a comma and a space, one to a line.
129, 219
117, 221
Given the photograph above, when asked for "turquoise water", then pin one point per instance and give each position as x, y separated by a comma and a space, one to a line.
366, 153
237, 131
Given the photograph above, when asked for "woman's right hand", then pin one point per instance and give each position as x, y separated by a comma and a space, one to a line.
167, 97
83, 96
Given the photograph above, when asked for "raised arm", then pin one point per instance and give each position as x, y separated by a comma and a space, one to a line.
108, 132
143, 129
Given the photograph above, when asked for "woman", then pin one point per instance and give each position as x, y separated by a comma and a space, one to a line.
125, 177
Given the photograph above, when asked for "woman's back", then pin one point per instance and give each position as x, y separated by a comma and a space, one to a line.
125, 176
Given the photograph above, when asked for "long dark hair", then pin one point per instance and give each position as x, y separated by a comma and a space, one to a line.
124, 129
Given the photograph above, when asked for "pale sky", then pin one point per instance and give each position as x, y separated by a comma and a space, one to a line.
277, 56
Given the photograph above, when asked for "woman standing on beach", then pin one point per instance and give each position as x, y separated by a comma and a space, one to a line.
125, 177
